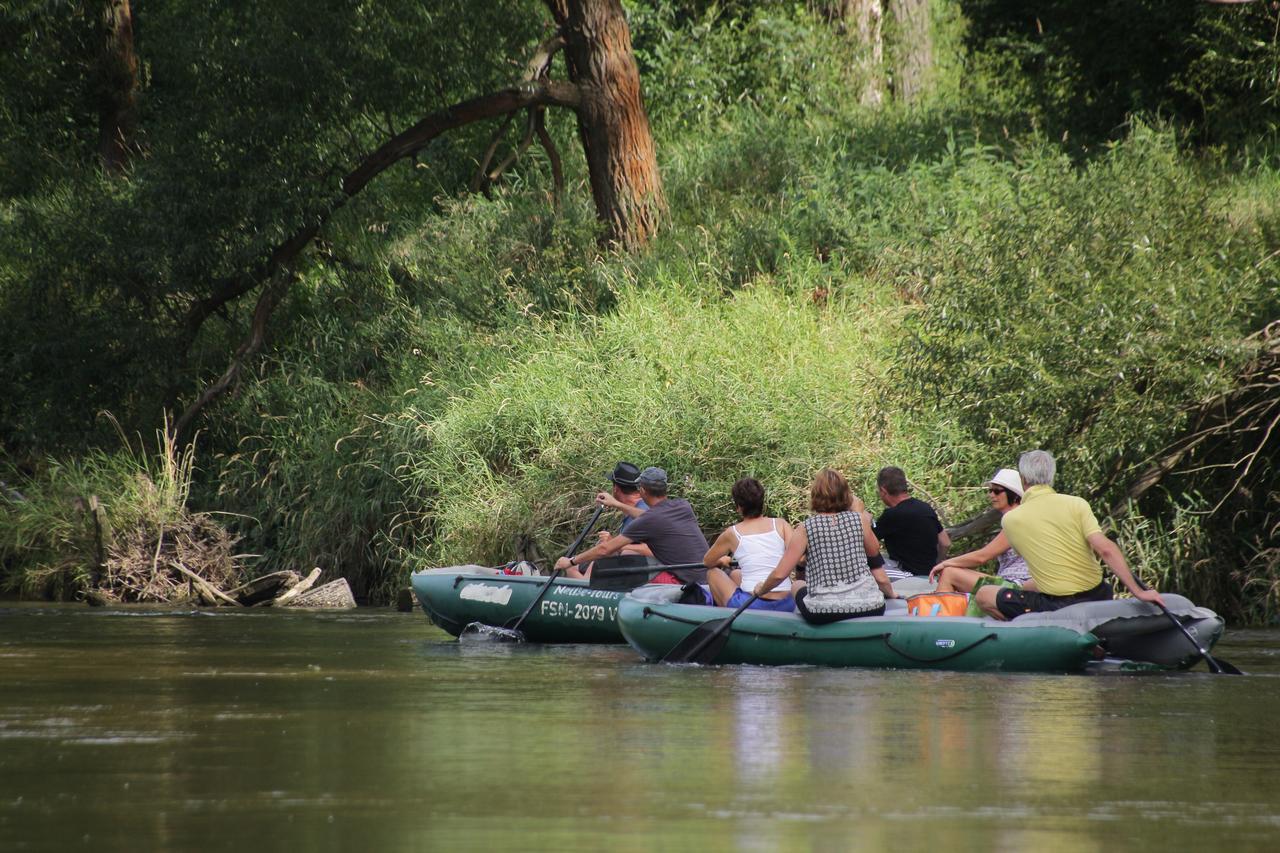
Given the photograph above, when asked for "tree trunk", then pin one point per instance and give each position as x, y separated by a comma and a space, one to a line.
612, 122
117, 86
863, 20
912, 48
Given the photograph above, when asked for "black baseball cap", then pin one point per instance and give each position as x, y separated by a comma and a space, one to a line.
625, 474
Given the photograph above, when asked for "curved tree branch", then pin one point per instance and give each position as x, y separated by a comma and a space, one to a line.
477, 180
536, 69
557, 169
536, 93
539, 93
267, 303
540, 64
984, 521
1243, 410
519, 150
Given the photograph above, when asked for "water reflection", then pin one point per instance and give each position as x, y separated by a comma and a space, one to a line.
374, 731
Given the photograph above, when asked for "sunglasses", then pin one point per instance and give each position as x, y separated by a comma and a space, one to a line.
997, 490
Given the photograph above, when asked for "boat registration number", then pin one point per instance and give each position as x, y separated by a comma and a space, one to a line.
577, 610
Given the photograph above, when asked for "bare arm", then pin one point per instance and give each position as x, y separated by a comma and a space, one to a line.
871, 545
1109, 553
606, 499
612, 545
721, 549
944, 545
886, 586
790, 557
973, 559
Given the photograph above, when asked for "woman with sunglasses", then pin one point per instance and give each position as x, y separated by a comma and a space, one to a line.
959, 574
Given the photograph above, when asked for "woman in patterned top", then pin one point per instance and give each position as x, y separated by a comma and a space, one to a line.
959, 573
843, 574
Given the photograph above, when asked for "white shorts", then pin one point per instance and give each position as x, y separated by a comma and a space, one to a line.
894, 571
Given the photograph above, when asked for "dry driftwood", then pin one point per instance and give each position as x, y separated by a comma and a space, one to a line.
297, 590
335, 595
264, 588
154, 563
210, 595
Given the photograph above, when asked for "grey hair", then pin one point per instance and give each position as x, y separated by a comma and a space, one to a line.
1037, 468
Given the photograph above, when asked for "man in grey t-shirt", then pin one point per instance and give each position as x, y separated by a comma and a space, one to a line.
668, 527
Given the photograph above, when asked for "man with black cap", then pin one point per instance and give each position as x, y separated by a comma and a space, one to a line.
624, 497
668, 527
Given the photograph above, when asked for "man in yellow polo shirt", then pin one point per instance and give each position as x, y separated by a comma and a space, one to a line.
1059, 537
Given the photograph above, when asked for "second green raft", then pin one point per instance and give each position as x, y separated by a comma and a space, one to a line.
654, 627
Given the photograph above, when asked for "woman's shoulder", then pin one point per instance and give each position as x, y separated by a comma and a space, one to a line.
829, 518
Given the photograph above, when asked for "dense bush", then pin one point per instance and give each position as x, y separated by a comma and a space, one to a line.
1082, 309
248, 116
1213, 66
765, 382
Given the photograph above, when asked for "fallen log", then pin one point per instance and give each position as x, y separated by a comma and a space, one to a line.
335, 595
297, 590
983, 522
265, 588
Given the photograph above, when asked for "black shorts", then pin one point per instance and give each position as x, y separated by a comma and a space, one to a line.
827, 618
1013, 603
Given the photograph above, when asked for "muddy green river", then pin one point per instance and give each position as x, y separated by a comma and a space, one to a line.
372, 730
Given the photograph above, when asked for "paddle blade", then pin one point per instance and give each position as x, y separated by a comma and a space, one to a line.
1217, 667
1221, 667
703, 643
481, 631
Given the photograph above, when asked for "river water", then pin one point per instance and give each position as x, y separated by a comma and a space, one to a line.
373, 730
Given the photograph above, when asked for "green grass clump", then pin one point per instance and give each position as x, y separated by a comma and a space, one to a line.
50, 543
764, 383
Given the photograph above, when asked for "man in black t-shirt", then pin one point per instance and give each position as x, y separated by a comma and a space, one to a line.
668, 527
908, 528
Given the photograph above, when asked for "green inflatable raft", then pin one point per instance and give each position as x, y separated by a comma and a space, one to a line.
653, 628
1121, 632
570, 612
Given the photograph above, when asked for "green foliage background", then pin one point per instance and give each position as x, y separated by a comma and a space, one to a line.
1044, 251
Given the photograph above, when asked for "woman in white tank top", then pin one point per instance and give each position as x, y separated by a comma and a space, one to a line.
757, 543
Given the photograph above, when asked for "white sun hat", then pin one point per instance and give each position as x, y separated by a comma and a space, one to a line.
1009, 479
